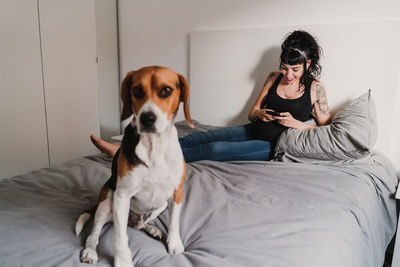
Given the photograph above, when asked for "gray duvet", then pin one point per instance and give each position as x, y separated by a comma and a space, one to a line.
234, 214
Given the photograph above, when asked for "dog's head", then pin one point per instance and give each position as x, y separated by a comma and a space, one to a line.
153, 95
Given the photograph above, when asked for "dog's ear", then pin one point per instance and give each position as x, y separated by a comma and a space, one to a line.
126, 96
185, 98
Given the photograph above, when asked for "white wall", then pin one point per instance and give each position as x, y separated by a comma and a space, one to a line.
157, 31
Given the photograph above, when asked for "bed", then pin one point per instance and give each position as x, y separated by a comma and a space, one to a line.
293, 211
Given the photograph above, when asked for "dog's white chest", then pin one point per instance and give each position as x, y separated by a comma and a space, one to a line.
154, 190
155, 182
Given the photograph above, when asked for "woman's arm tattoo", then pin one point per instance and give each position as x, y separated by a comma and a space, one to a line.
322, 101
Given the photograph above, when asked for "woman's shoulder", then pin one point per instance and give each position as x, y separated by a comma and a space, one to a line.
317, 89
272, 76
317, 86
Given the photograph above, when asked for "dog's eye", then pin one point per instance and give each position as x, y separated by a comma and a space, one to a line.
165, 92
138, 92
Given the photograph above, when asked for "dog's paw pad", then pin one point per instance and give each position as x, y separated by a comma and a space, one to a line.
154, 231
89, 256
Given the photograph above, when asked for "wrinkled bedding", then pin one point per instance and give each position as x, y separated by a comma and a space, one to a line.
234, 214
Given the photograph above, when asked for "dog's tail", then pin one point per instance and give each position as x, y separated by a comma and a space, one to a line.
83, 218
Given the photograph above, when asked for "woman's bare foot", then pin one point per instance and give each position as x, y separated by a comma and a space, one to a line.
106, 147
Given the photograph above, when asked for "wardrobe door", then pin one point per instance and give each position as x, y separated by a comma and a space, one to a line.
68, 34
107, 67
23, 137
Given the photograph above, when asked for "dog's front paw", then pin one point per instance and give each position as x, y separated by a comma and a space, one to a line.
175, 245
89, 255
123, 263
123, 258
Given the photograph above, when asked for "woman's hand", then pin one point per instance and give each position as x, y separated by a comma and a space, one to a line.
262, 115
286, 119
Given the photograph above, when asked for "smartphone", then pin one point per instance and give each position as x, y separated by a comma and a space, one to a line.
272, 112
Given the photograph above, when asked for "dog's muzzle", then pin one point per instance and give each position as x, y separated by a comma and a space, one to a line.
147, 121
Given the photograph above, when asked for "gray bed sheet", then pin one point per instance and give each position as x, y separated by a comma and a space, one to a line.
234, 214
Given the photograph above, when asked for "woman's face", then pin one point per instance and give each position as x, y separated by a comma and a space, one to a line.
292, 73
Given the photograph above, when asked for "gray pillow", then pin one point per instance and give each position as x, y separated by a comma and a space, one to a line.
350, 136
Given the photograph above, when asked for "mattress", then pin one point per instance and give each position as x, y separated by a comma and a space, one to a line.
253, 213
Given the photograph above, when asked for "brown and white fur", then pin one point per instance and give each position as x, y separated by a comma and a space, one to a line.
148, 170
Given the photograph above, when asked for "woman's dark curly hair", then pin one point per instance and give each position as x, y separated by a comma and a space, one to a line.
297, 48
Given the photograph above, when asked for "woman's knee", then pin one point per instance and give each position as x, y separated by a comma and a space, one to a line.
216, 148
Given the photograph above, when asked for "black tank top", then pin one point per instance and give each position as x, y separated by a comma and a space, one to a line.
300, 108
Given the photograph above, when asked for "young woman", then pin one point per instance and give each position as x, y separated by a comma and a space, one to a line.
293, 92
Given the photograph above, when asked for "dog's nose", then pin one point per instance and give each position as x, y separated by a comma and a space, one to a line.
148, 119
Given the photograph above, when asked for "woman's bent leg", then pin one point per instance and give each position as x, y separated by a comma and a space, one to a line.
232, 134
229, 151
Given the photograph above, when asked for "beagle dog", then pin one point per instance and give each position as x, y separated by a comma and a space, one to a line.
148, 171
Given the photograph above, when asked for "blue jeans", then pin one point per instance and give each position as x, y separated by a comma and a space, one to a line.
224, 144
